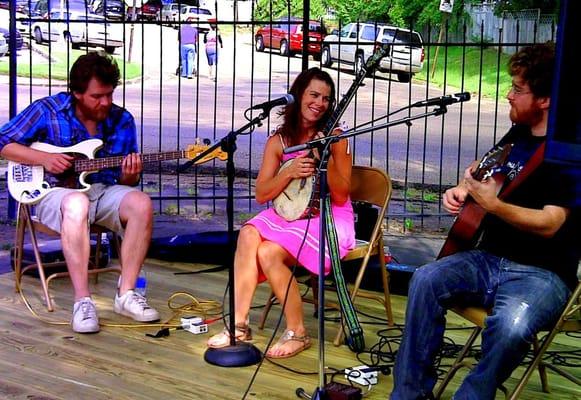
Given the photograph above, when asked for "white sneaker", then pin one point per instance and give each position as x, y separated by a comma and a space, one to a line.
135, 306
85, 318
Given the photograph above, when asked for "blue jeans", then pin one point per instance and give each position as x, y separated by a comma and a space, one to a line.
524, 299
188, 55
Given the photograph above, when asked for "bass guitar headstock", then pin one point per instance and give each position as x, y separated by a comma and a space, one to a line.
194, 150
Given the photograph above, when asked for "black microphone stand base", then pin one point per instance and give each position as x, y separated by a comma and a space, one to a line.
239, 355
319, 394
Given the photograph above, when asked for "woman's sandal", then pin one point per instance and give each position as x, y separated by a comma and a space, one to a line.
290, 336
243, 333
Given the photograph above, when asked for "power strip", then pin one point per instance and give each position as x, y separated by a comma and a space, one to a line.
362, 375
194, 325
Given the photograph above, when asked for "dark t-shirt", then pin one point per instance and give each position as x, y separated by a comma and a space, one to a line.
549, 184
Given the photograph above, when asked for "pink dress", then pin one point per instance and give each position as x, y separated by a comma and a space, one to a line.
290, 235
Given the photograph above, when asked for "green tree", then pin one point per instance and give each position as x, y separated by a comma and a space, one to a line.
416, 13
546, 6
367, 10
267, 10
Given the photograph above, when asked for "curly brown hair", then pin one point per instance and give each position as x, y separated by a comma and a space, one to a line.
535, 65
290, 128
93, 65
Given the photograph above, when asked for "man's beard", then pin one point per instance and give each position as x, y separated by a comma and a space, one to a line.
97, 115
526, 117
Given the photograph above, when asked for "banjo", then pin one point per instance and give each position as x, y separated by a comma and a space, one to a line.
300, 198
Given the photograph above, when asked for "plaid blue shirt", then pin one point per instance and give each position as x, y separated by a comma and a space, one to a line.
52, 120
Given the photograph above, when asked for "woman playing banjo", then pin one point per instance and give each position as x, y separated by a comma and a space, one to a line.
268, 244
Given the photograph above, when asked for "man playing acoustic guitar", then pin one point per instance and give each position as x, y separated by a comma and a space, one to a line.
524, 264
112, 201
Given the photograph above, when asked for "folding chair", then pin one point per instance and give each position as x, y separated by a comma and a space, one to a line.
569, 321
373, 186
27, 221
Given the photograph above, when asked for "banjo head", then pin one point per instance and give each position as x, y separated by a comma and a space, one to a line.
293, 202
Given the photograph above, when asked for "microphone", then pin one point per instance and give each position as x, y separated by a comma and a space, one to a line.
443, 100
281, 101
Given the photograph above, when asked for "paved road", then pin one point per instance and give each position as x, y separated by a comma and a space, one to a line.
171, 112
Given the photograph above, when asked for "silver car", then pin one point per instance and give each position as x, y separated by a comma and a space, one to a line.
169, 12
355, 43
3, 46
79, 29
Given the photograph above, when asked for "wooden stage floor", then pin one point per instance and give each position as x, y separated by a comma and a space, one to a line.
39, 360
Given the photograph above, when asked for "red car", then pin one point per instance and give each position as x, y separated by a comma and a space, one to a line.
287, 36
148, 10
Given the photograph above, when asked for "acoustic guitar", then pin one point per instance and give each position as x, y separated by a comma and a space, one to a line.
27, 184
464, 233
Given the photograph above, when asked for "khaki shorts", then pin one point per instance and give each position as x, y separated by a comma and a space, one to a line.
103, 208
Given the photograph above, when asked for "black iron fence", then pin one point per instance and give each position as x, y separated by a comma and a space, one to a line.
423, 157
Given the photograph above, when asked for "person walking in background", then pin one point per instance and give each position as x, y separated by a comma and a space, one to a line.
188, 47
211, 39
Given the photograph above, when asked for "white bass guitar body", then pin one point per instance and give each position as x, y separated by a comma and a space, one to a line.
27, 184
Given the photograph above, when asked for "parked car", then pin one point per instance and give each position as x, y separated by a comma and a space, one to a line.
20, 24
5, 29
148, 11
80, 29
3, 46
110, 9
22, 6
201, 16
286, 35
39, 8
169, 12
355, 43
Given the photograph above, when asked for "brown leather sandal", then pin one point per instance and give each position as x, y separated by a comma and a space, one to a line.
243, 333
288, 336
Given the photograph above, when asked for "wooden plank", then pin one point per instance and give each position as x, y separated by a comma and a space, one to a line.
40, 360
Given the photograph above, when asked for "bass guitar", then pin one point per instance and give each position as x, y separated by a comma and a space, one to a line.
301, 198
463, 234
27, 183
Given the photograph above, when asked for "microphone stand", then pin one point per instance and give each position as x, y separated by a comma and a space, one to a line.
324, 144
354, 132
239, 354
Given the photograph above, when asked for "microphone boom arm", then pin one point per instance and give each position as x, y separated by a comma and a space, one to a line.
319, 142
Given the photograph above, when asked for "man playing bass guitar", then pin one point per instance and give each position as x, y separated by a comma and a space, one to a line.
67, 119
522, 267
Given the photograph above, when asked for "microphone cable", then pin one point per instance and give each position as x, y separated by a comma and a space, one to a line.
281, 314
309, 219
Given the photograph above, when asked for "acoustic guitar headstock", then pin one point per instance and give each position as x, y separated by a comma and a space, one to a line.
492, 162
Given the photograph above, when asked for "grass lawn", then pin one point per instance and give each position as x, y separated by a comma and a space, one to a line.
62, 61
471, 69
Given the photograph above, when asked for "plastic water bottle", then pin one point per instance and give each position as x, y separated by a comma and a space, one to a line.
141, 283
105, 255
